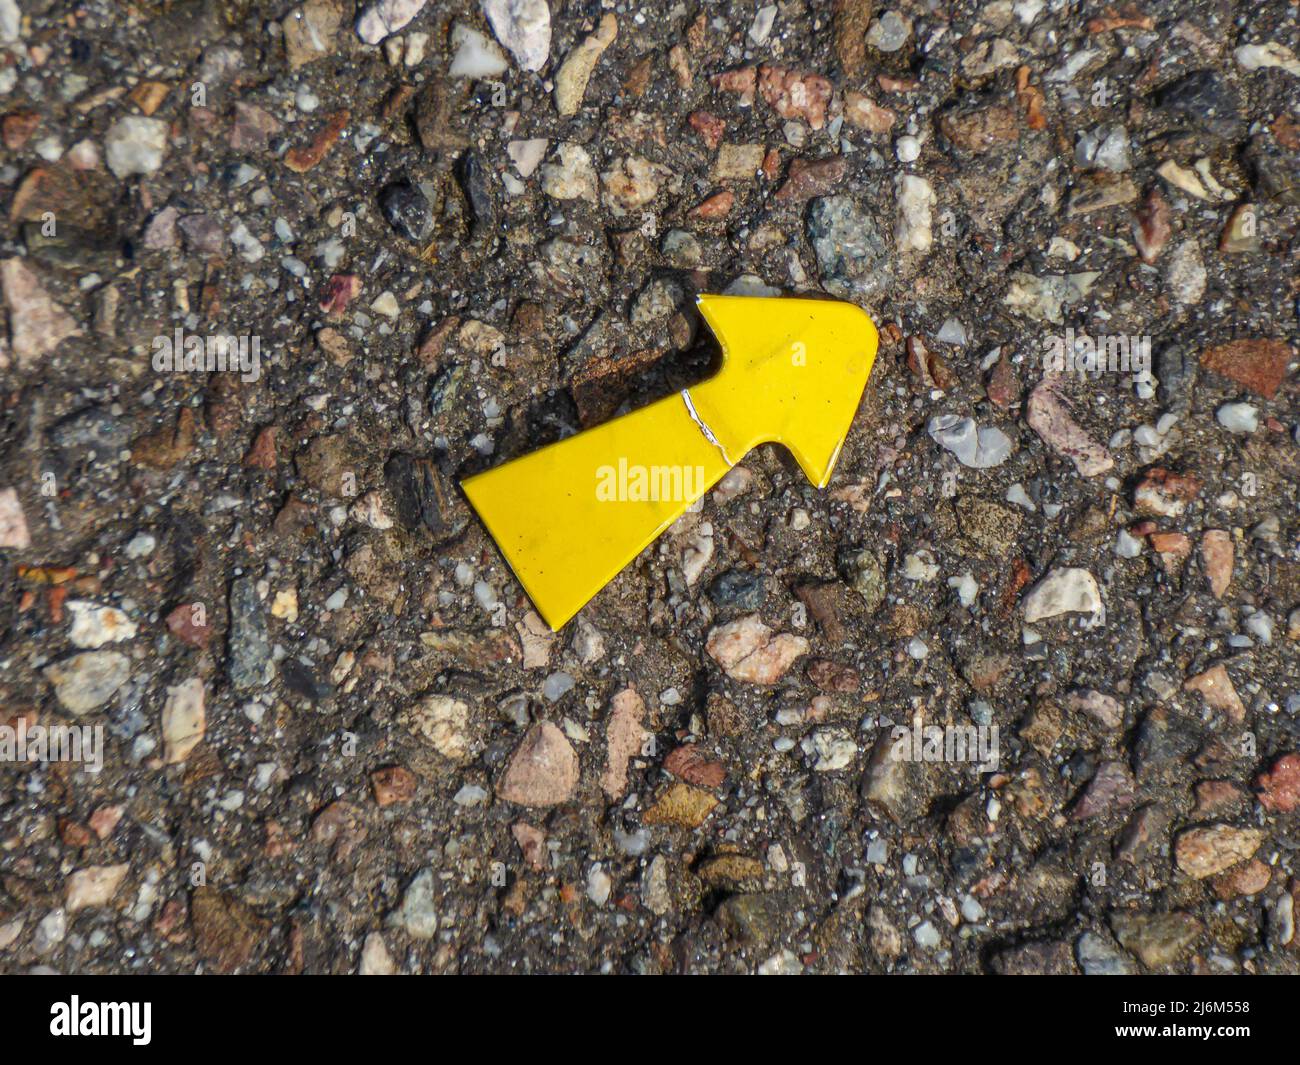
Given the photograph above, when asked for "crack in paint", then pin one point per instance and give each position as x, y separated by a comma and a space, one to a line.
708, 433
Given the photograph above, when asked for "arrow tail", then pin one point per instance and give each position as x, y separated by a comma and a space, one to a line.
570, 516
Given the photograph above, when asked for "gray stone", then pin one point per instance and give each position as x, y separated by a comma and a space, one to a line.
407, 210
202, 234
1205, 101
1105, 147
417, 916
738, 590
889, 32
682, 249
1158, 939
249, 662
1276, 172
851, 250
752, 918
978, 448
1099, 957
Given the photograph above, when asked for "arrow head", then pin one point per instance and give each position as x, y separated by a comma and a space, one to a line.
793, 372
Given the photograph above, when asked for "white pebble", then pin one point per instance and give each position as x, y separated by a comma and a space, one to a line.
141, 546
920, 566
761, 28
599, 885
967, 588
476, 56
1238, 417
1260, 625
926, 936
907, 148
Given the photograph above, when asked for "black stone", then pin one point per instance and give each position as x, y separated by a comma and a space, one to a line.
1276, 173
407, 211
301, 679
420, 494
1206, 101
738, 589
476, 182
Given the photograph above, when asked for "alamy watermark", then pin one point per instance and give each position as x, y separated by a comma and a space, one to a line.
191, 353
1103, 353
636, 483
77, 1018
53, 743
920, 742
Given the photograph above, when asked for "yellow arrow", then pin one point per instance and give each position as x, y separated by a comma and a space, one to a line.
570, 516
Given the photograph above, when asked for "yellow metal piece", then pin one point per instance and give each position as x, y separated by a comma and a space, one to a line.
570, 516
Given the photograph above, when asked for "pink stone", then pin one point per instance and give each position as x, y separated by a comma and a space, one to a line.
747, 650
794, 95
13, 523
1216, 556
543, 771
1049, 418
624, 736
37, 324
1216, 686
1279, 787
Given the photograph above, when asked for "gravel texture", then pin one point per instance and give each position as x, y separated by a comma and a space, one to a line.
335, 736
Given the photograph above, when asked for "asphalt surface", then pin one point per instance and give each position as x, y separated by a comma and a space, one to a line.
329, 732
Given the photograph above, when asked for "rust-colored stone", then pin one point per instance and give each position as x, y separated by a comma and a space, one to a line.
19, 127
691, 764
715, 207
262, 454
807, 179
163, 449
1279, 787
392, 785
1259, 364
709, 126
300, 160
